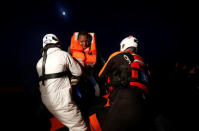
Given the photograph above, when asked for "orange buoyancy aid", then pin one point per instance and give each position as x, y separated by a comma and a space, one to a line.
86, 56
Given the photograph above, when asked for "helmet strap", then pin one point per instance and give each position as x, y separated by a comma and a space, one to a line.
132, 49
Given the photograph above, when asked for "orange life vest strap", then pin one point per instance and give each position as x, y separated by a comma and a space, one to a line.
108, 100
94, 123
140, 85
104, 67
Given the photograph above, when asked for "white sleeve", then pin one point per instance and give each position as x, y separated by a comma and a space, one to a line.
39, 67
73, 66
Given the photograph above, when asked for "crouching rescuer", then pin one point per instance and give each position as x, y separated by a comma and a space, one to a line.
53, 69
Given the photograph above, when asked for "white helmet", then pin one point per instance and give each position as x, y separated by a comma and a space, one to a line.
50, 39
128, 42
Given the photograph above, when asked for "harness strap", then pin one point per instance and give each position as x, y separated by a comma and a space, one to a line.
44, 50
52, 76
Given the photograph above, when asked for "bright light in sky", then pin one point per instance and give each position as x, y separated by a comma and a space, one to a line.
63, 13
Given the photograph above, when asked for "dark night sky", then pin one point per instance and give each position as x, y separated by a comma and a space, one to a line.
165, 29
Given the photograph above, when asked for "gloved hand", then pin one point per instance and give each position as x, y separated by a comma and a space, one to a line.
74, 80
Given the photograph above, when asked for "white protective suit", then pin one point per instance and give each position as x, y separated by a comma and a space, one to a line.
56, 94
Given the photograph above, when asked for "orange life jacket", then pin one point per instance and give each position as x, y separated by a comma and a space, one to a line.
86, 56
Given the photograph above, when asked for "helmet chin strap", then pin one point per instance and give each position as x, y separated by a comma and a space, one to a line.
132, 49
44, 52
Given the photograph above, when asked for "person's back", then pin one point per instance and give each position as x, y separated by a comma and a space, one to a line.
127, 82
125, 69
57, 61
55, 86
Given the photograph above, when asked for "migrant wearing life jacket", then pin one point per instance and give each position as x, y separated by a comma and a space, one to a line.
87, 56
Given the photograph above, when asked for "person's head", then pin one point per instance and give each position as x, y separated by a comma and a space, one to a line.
84, 39
129, 43
50, 39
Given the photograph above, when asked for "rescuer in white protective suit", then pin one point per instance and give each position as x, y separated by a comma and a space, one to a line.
55, 87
